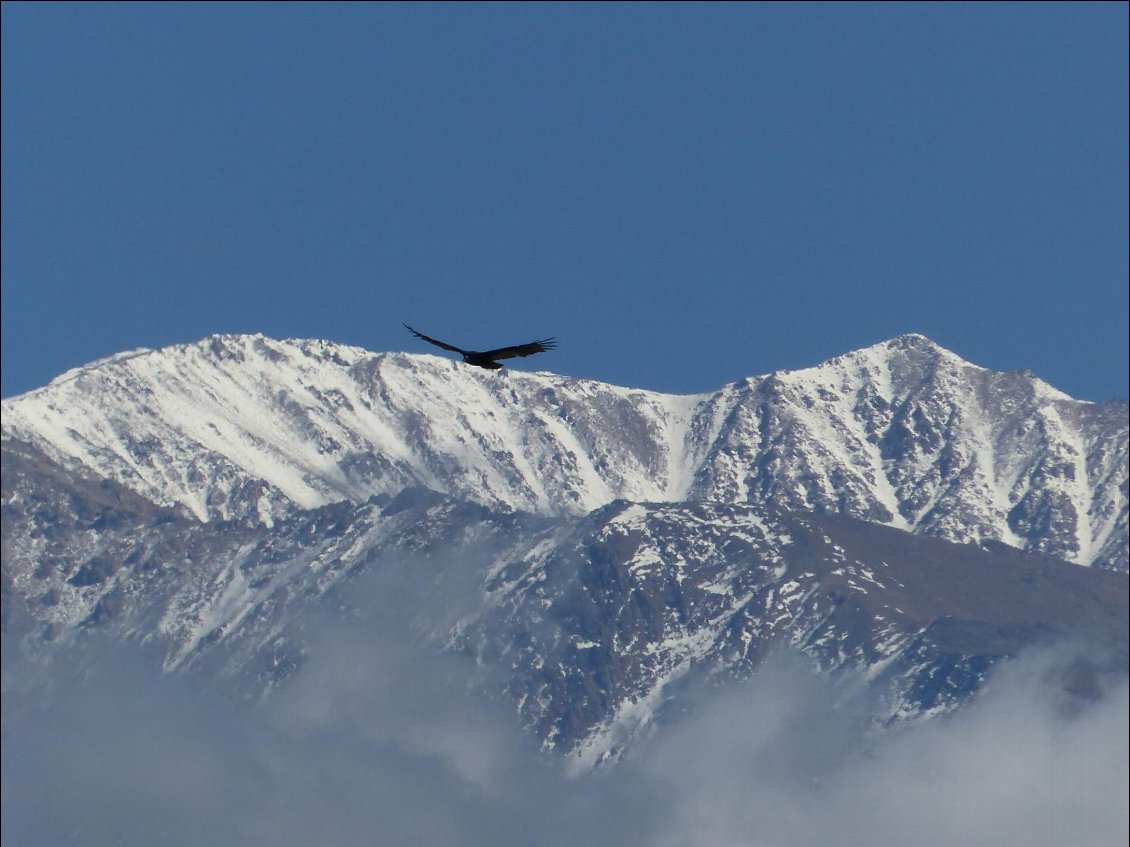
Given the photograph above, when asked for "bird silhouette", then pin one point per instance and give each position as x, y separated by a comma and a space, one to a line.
489, 358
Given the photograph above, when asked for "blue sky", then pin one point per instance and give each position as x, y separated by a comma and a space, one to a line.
683, 194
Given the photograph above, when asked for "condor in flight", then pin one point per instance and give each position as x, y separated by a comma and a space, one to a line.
487, 358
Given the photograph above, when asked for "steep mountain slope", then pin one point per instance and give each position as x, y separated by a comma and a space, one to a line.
585, 624
903, 433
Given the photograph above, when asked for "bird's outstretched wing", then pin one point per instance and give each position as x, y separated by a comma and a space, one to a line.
522, 350
442, 344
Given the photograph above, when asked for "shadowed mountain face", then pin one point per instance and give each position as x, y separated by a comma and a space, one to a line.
588, 625
904, 433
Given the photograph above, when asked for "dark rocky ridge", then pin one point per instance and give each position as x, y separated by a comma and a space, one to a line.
600, 616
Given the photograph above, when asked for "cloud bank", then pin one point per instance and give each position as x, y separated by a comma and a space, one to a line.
379, 740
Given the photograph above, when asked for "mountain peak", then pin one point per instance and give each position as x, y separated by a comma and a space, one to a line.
914, 341
912, 345
891, 368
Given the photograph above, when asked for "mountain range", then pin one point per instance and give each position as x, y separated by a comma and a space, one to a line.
895, 511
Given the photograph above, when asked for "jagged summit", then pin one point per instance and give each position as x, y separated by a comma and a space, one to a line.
903, 432
908, 342
238, 346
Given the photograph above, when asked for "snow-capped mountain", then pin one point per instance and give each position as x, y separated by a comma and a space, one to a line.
593, 546
903, 433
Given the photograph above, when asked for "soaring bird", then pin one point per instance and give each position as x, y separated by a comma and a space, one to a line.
488, 358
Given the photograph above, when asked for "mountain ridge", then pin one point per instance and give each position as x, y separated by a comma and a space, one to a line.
904, 432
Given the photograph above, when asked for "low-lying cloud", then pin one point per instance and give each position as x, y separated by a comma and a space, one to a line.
783, 761
379, 740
